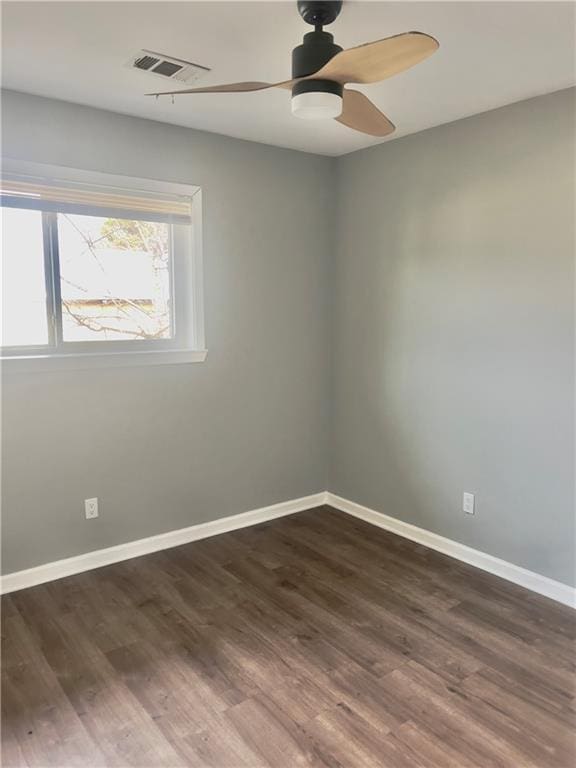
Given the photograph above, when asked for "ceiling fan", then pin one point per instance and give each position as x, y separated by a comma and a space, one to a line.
321, 69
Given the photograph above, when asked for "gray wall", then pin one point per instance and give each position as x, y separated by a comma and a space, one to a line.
169, 446
454, 331
427, 321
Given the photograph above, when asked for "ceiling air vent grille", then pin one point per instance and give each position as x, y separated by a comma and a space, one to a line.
167, 66
146, 62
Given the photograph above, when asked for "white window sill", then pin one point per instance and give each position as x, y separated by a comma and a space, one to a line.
29, 364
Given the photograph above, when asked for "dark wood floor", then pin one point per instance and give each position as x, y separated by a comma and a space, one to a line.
313, 640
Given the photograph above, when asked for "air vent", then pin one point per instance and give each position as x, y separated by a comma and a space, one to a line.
167, 66
146, 62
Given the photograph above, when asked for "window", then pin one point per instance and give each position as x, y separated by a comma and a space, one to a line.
99, 273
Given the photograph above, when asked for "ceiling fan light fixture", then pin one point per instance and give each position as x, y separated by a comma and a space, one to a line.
317, 99
317, 105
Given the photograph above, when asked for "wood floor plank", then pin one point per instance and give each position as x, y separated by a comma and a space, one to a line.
499, 725
555, 738
313, 640
356, 742
431, 750
276, 738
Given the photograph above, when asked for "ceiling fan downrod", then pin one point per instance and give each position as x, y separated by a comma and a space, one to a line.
316, 99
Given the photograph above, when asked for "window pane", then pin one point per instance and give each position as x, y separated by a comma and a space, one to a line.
115, 278
24, 317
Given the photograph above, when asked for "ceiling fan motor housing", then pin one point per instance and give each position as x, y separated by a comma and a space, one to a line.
316, 50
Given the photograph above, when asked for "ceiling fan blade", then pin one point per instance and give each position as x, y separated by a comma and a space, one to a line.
376, 61
227, 88
359, 113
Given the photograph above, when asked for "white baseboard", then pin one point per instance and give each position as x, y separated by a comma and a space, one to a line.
58, 569
96, 559
562, 593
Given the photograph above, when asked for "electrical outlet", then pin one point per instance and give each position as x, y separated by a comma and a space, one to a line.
91, 508
468, 503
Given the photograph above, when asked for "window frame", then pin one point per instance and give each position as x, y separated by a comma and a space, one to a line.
188, 343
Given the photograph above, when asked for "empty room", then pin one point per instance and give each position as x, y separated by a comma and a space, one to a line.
287, 376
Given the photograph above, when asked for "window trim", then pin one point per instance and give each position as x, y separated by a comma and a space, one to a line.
119, 353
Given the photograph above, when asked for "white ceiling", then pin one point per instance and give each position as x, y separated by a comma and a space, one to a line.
491, 54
